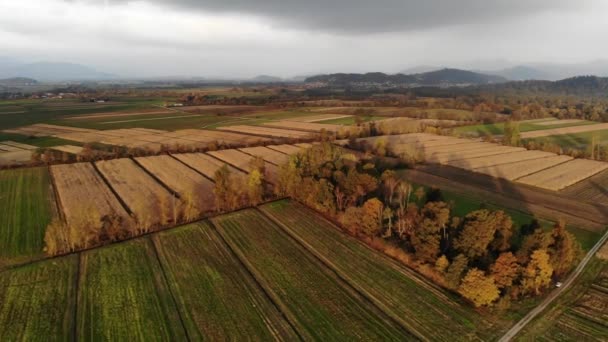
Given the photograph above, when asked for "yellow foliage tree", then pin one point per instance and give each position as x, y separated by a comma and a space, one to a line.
537, 273
478, 288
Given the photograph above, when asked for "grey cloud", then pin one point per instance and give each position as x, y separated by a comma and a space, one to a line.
374, 16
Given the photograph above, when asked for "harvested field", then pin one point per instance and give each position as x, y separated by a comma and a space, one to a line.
472, 154
217, 297
269, 155
592, 190
558, 122
287, 149
303, 145
220, 137
38, 300
294, 279
564, 175
151, 204
564, 130
9, 148
84, 197
205, 164
267, 131
47, 130
17, 145
194, 190
512, 157
304, 126
242, 160
118, 114
68, 149
516, 170
393, 287
16, 157
123, 296
26, 208
321, 117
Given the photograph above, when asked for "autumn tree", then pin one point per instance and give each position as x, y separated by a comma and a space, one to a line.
482, 227
371, 217
426, 238
478, 288
455, 271
505, 270
564, 251
538, 272
442, 264
222, 189
255, 187
511, 135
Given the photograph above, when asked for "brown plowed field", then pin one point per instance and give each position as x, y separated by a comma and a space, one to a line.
267, 154
564, 130
513, 171
506, 158
564, 175
205, 164
287, 149
304, 126
593, 189
189, 184
267, 131
84, 197
151, 203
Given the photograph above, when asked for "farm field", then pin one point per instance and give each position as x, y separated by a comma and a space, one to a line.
579, 314
564, 175
304, 126
524, 126
217, 298
26, 208
541, 169
564, 131
576, 141
37, 301
591, 190
193, 189
242, 161
84, 198
294, 278
397, 289
267, 131
123, 295
287, 149
151, 204
269, 155
204, 164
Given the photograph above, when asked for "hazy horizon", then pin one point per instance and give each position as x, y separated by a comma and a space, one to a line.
240, 39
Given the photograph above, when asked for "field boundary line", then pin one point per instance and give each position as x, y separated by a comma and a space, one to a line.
75, 325
156, 179
342, 276
254, 156
550, 167
109, 185
57, 199
152, 242
270, 147
190, 167
225, 162
273, 297
514, 331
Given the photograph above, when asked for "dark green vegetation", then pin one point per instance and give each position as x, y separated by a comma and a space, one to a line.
323, 306
26, 208
37, 301
398, 290
499, 128
462, 204
217, 298
123, 296
578, 141
579, 314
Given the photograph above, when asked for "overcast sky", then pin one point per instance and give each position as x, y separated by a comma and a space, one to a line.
293, 37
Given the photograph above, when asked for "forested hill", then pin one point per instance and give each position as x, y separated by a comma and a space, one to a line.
443, 77
580, 86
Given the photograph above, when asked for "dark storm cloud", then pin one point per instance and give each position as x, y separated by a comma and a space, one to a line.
374, 16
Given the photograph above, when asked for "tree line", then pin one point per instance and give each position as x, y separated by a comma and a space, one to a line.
483, 256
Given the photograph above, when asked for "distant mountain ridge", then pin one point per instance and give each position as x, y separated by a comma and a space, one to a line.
50, 71
444, 77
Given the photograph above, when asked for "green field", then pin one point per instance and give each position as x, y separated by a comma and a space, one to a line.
218, 299
26, 208
37, 301
498, 128
399, 290
123, 296
351, 120
323, 307
579, 141
577, 315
